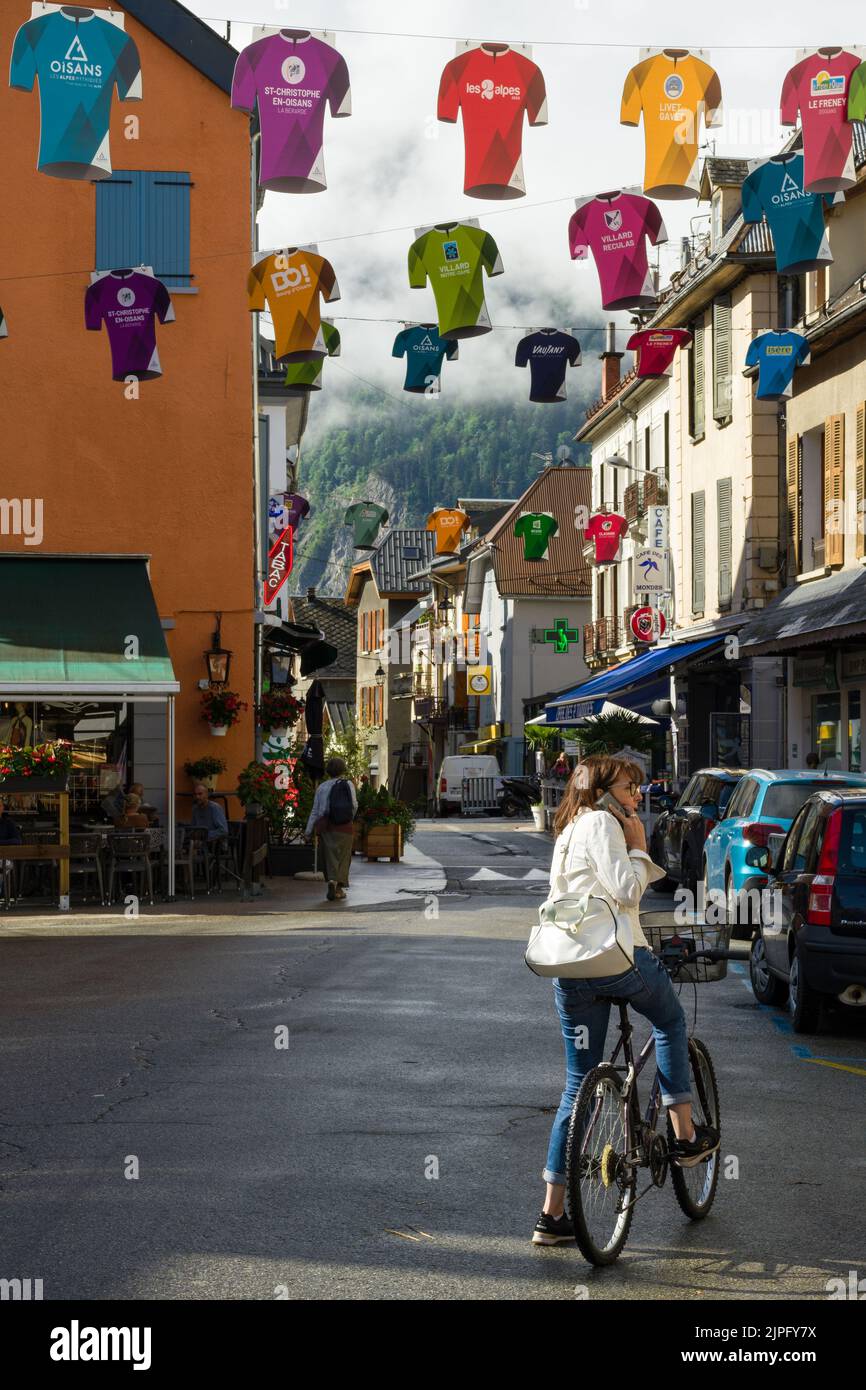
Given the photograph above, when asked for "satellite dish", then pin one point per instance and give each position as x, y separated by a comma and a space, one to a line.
563, 453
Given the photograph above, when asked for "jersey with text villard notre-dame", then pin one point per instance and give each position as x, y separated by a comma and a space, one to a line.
454, 255
494, 86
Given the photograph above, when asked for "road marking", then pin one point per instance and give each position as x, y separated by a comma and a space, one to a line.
536, 873
486, 874
799, 1050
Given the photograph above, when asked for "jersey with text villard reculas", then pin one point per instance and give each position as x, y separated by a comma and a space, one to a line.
615, 227
494, 86
290, 284
129, 302
79, 59
818, 88
292, 76
454, 255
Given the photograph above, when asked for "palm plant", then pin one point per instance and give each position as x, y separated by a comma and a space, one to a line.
602, 734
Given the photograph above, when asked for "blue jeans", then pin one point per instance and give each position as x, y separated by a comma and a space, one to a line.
649, 991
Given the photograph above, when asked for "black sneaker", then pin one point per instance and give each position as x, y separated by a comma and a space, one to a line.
686, 1153
332, 891
552, 1230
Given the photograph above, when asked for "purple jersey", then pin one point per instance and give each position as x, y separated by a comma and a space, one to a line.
296, 508
615, 226
129, 302
291, 78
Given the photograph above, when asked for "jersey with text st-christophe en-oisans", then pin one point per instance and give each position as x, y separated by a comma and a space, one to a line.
129, 303
615, 227
290, 283
292, 76
454, 255
493, 85
79, 59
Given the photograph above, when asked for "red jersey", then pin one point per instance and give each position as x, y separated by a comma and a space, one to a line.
819, 88
607, 530
494, 86
656, 348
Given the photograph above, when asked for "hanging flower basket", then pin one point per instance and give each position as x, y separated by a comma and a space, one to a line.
205, 770
44, 768
221, 709
278, 711
219, 730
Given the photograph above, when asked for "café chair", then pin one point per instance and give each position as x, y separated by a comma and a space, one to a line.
85, 859
129, 852
191, 853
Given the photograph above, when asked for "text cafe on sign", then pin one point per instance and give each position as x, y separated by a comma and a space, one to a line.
279, 565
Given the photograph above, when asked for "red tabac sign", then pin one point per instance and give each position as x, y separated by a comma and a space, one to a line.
279, 565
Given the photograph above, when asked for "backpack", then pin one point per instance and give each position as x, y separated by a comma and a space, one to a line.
340, 808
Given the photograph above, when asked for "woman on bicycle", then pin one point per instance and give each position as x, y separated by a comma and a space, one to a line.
606, 856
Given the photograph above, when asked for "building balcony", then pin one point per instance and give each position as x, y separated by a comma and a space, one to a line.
650, 490
601, 639
433, 710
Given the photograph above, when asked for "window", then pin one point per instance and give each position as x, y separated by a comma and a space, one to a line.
697, 371
793, 471
667, 446
698, 551
834, 490
722, 360
784, 799
801, 841
743, 799
854, 755
379, 695
143, 218
647, 448
687, 797
724, 508
472, 641
827, 729
852, 843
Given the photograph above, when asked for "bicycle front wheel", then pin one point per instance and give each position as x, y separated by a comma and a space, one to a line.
695, 1188
600, 1179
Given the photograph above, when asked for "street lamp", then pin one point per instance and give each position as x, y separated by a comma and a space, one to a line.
281, 667
217, 658
379, 676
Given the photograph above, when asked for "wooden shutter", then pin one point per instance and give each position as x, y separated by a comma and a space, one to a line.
834, 490
365, 629
143, 218
792, 476
860, 480
722, 359
699, 551
697, 422
381, 628
724, 504
380, 705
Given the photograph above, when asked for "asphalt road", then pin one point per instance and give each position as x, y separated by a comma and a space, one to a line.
160, 1141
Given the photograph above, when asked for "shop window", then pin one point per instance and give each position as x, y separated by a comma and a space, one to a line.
101, 739
827, 729
143, 218
854, 755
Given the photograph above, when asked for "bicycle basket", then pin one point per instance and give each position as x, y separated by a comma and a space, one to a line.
664, 939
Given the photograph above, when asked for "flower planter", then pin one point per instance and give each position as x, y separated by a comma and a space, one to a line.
19, 783
210, 781
285, 860
219, 730
384, 842
279, 731
359, 835
539, 815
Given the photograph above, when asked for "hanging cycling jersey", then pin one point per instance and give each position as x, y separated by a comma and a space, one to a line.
454, 255
425, 351
307, 376
672, 89
775, 189
777, 356
448, 523
818, 88
656, 348
129, 302
548, 353
616, 227
494, 86
290, 284
536, 529
366, 519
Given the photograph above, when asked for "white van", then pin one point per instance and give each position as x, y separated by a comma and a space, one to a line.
449, 788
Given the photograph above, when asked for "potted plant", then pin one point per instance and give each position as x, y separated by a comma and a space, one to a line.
278, 711
611, 733
542, 738
389, 823
285, 795
221, 709
44, 768
205, 770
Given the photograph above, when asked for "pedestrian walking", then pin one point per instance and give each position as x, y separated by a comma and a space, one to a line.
601, 851
332, 819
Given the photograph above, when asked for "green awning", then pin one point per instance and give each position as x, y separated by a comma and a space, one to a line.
80, 625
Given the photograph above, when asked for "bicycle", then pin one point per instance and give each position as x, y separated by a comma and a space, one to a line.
608, 1141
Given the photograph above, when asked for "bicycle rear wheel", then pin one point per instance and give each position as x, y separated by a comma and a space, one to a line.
695, 1188
600, 1183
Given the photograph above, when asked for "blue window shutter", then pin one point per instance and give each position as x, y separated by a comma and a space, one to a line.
143, 218
117, 236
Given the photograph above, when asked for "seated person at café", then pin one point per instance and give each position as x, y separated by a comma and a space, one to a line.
113, 802
131, 819
207, 814
145, 808
9, 832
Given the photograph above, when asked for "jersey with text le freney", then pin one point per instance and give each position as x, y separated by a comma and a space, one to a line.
672, 90
454, 257
425, 351
548, 353
818, 88
656, 348
615, 227
291, 77
79, 59
494, 86
129, 303
291, 283
776, 190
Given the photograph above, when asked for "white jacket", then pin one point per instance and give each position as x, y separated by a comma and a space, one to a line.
590, 858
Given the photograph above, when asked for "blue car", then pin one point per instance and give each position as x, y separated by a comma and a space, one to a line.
763, 804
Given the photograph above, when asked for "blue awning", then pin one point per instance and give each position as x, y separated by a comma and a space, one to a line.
577, 703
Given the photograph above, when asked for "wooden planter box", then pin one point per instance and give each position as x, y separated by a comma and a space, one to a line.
384, 842
285, 860
34, 784
358, 837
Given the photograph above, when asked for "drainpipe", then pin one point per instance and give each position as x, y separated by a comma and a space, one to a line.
259, 560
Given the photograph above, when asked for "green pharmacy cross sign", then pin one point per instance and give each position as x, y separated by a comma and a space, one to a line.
561, 635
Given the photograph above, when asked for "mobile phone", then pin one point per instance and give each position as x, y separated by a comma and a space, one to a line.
607, 802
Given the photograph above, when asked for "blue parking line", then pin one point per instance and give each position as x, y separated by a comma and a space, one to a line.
783, 1025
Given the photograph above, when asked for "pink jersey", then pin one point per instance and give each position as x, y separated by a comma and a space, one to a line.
615, 227
818, 88
656, 348
606, 529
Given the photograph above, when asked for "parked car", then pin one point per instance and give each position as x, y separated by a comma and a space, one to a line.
449, 787
677, 838
810, 944
764, 804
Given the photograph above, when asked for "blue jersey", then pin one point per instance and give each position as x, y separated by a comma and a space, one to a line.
78, 59
547, 353
796, 218
777, 356
425, 352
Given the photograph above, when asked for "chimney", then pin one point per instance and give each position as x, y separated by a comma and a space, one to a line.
610, 360
311, 591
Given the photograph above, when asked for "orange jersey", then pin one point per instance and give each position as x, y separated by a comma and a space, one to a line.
449, 523
290, 283
672, 89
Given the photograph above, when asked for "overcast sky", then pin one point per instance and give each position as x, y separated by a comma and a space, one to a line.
392, 165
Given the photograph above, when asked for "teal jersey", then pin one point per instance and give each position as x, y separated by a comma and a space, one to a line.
79, 59
425, 351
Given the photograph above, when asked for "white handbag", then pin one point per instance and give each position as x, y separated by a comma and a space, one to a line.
579, 937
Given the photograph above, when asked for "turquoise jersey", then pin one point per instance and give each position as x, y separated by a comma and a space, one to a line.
78, 61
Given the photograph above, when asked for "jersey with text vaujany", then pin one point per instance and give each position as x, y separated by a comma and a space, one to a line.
656, 348
615, 227
672, 91
777, 356
291, 76
425, 351
454, 256
606, 529
129, 303
448, 523
818, 88
776, 190
79, 59
290, 283
307, 376
548, 353
365, 519
536, 530
493, 86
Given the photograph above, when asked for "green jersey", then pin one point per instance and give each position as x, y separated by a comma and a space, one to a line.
307, 376
365, 518
454, 256
536, 529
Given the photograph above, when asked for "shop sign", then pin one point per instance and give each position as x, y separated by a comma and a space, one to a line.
647, 624
853, 665
657, 527
815, 670
279, 565
650, 569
